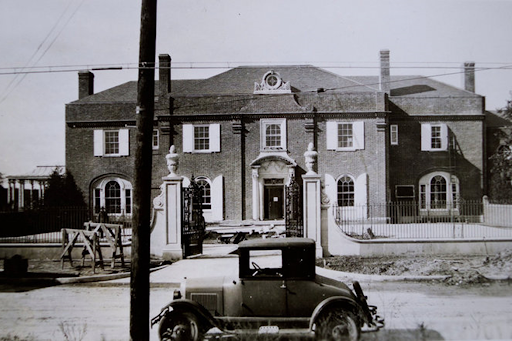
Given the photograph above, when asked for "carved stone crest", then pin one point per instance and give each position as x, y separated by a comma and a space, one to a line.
272, 83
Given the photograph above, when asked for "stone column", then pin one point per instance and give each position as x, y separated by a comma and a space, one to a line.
21, 196
312, 201
166, 227
255, 194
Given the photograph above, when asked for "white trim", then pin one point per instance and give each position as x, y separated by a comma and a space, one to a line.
157, 145
263, 134
393, 134
332, 138
98, 142
188, 138
214, 138
124, 142
426, 137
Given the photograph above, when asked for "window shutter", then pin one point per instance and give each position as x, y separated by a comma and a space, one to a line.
215, 137
426, 136
98, 142
444, 137
332, 135
124, 142
331, 189
218, 198
188, 138
361, 190
358, 131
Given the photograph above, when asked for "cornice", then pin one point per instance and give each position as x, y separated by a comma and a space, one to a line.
434, 118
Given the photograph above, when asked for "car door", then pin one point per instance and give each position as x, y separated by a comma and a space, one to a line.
264, 292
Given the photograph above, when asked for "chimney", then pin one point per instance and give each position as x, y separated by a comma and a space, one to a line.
469, 76
164, 74
85, 84
385, 78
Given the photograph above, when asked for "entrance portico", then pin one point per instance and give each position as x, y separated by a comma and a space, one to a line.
270, 174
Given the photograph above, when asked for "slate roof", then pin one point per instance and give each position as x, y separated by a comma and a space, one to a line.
302, 78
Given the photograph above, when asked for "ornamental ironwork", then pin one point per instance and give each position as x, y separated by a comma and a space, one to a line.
293, 215
193, 223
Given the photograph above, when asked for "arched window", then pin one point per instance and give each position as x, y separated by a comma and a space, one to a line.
113, 194
346, 191
205, 187
113, 197
438, 192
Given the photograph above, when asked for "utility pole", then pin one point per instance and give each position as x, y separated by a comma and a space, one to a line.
139, 281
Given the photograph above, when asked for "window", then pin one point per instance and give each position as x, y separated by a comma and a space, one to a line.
201, 138
345, 136
111, 142
439, 191
113, 194
156, 139
393, 134
346, 191
113, 197
205, 187
273, 134
434, 137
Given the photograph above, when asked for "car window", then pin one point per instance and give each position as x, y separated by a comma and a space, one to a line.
266, 263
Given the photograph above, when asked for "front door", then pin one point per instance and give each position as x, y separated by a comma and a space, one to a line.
274, 203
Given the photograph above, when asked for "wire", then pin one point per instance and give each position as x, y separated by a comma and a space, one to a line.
10, 87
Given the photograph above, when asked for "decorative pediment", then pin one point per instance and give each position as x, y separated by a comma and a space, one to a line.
272, 83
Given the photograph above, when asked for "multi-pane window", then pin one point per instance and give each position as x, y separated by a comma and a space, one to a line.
201, 137
273, 135
156, 139
112, 194
346, 191
97, 200
113, 197
345, 135
111, 142
436, 137
206, 193
393, 134
128, 196
438, 192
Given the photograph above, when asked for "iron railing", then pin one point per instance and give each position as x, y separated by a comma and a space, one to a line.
410, 220
44, 225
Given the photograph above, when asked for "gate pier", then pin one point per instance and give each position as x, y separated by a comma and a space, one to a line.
166, 228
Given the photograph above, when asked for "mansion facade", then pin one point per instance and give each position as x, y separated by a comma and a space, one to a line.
242, 136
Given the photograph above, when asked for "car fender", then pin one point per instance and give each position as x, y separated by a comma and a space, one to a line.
335, 301
191, 306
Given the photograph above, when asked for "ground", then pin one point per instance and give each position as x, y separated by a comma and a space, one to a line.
460, 270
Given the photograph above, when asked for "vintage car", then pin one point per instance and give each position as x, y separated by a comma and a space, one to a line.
277, 291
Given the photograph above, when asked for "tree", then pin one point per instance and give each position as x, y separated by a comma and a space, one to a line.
500, 163
61, 190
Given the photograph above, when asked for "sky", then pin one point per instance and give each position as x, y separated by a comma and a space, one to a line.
54, 39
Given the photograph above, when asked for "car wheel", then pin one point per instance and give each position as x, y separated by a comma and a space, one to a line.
180, 326
337, 324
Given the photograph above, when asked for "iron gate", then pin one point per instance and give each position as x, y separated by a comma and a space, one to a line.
293, 214
193, 224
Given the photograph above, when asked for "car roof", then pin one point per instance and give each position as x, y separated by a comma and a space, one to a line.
276, 243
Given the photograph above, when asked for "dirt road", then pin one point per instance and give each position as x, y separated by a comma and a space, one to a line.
413, 311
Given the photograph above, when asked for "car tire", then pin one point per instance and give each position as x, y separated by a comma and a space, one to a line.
337, 324
180, 326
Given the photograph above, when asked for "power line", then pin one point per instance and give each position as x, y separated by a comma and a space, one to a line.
10, 87
77, 68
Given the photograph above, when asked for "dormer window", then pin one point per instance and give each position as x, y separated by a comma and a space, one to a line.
272, 83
